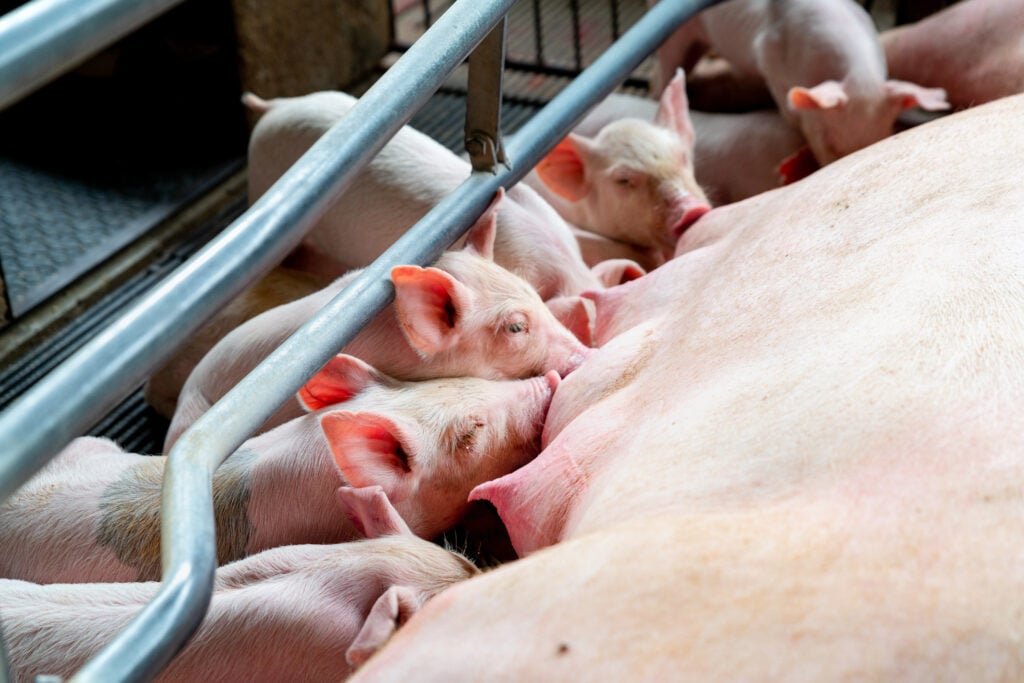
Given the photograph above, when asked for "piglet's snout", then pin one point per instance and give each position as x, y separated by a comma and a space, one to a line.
685, 213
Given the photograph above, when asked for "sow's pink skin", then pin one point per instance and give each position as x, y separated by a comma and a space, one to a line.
466, 316
93, 514
633, 182
822, 62
408, 177
301, 612
806, 466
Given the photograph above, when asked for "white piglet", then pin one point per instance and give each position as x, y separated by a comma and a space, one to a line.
633, 182
464, 316
821, 59
427, 444
301, 612
409, 176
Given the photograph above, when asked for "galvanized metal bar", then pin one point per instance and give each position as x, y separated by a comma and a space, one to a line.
69, 400
483, 101
44, 38
290, 207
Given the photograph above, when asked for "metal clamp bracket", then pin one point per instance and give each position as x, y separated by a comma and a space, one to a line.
483, 102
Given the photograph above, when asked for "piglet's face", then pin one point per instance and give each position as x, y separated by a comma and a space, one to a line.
469, 316
427, 444
492, 324
635, 181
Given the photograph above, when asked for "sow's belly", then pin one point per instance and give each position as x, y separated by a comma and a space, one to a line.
808, 465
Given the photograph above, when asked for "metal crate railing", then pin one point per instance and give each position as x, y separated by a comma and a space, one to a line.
88, 384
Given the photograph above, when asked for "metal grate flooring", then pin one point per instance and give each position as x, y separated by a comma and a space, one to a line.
101, 155
133, 424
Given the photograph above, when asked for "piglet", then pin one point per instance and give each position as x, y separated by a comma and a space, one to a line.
464, 316
735, 155
633, 182
972, 49
426, 444
408, 177
279, 286
822, 62
301, 612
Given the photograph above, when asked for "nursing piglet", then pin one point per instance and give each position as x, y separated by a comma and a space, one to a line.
427, 444
735, 155
822, 62
466, 316
408, 177
301, 612
633, 182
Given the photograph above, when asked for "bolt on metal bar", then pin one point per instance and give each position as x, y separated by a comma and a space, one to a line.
483, 101
44, 38
295, 202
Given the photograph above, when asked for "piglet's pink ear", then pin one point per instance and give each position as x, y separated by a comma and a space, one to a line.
575, 314
908, 95
674, 109
393, 608
428, 303
342, 378
614, 272
370, 449
563, 169
372, 512
480, 237
826, 95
